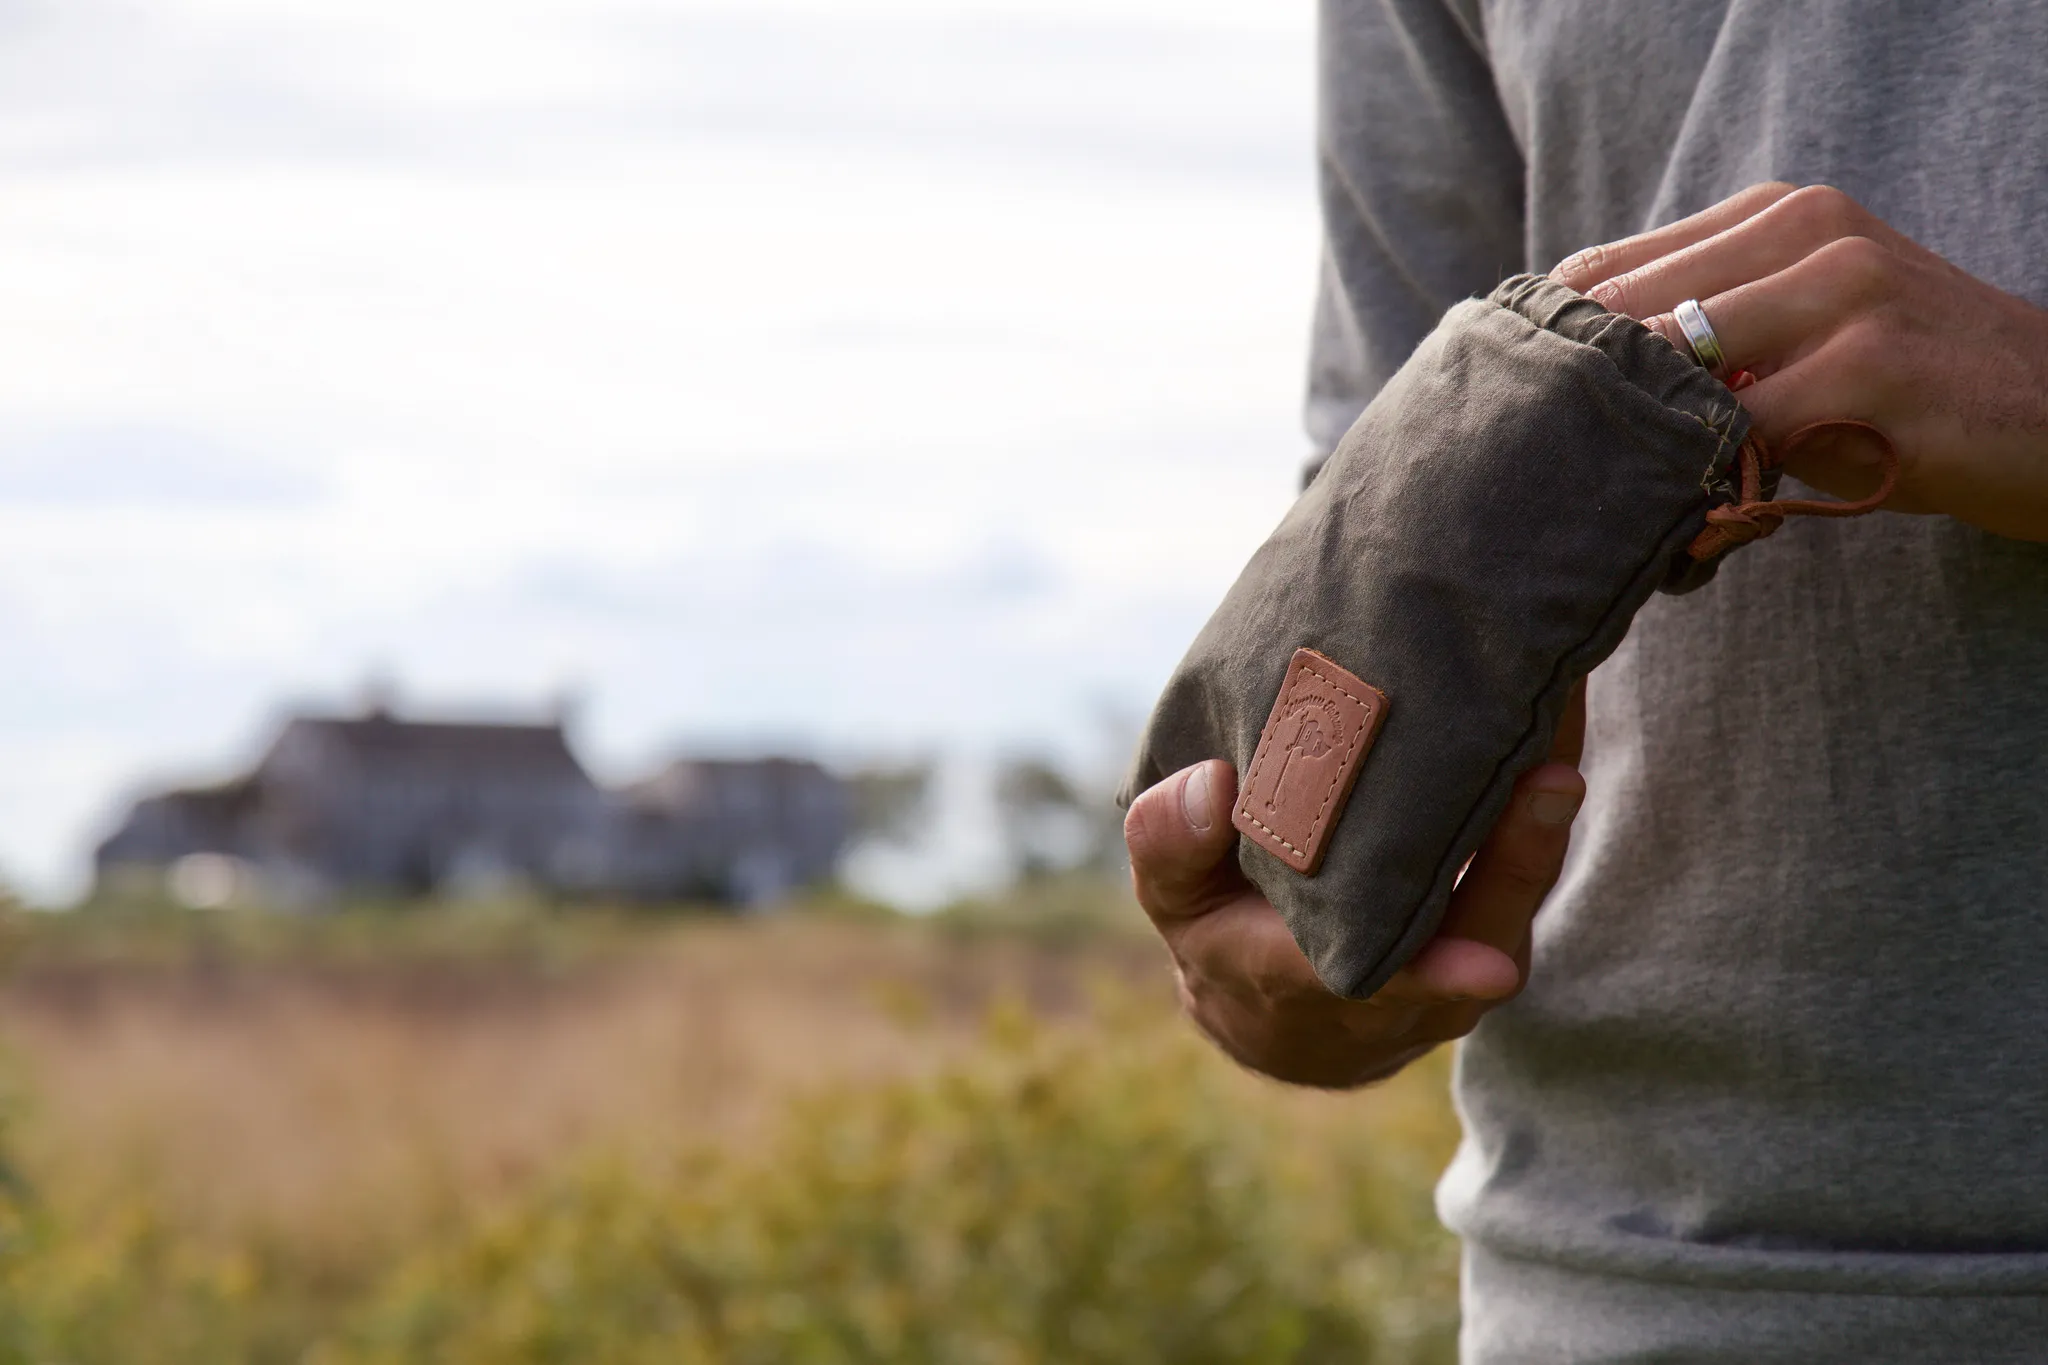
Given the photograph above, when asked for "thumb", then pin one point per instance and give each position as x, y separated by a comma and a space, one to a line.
1481, 950
1179, 835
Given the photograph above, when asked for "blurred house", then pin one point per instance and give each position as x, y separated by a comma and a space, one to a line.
747, 830
381, 805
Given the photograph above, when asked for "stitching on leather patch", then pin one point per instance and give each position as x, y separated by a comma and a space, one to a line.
1315, 742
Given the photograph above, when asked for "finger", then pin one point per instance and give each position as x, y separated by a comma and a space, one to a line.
1831, 384
1595, 264
1519, 862
1771, 323
1180, 839
1244, 948
1781, 235
1448, 970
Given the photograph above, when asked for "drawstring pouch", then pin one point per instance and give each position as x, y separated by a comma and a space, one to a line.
1404, 644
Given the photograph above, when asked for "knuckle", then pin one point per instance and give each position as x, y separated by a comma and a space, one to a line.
1621, 294
1528, 880
1137, 830
1156, 882
1802, 211
1864, 346
1824, 210
1760, 198
1213, 983
1145, 834
1581, 266
1857, 266
1528, 869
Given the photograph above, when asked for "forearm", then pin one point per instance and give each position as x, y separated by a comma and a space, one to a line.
1421, 192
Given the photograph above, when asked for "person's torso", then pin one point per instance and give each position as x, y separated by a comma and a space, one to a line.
1787, 1025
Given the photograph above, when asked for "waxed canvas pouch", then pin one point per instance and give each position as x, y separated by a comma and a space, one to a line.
1403, 647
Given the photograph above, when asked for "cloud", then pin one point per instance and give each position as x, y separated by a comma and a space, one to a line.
98, 83
157, 466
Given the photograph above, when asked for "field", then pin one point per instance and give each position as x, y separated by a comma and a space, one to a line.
511, 1135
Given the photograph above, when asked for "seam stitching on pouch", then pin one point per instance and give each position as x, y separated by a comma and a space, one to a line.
1720, 444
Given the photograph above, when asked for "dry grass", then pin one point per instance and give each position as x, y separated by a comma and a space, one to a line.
321, 1103
339, 1107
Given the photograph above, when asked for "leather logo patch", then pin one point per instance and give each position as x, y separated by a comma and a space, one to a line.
1309, 754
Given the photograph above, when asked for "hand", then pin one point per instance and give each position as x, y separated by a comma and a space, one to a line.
1838, 315
1245, 983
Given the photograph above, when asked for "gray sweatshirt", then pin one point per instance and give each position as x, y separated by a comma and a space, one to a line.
1778, 1089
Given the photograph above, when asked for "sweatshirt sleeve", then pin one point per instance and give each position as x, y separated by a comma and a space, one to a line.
1421, 185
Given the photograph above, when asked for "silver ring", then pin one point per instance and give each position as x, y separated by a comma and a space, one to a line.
1699, 334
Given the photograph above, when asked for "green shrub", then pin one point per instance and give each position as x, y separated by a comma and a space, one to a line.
132, 1294
128, 1290
1102, 1190
1061, 1199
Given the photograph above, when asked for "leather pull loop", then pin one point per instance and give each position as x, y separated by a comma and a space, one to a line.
1753, 517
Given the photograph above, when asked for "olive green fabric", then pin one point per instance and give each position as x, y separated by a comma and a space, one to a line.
1478, 542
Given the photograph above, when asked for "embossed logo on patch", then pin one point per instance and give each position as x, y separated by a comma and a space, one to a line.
1323, 725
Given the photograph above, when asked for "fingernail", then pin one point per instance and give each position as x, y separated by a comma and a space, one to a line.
1604, 295
1553, 808
1195, 801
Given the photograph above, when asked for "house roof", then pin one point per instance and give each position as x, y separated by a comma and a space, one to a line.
528, 752
692, 785
214, 810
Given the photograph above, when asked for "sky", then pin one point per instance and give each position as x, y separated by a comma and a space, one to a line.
869, 379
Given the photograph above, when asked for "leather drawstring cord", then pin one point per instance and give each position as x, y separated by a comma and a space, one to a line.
1753, 517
